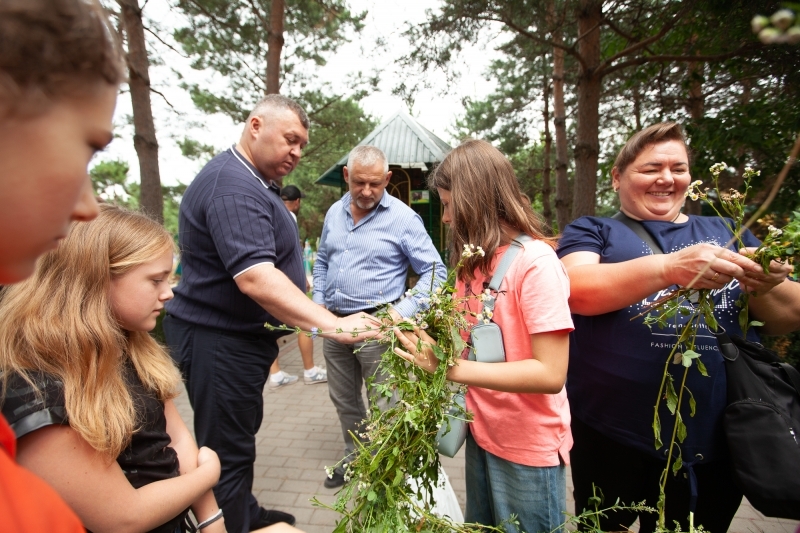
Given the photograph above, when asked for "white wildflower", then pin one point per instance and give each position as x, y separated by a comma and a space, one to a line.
774, 232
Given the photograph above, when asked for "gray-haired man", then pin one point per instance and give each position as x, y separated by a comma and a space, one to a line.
368, 241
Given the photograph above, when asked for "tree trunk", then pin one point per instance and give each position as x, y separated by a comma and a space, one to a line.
587, 147
151, 199
548, 141
696, 106
274, 46
560, 123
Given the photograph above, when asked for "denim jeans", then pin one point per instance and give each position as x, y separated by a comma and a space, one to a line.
497, 488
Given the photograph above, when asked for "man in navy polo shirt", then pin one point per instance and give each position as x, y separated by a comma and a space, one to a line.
242, 268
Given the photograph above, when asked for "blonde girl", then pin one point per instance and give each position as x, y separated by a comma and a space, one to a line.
87, 389
519, 439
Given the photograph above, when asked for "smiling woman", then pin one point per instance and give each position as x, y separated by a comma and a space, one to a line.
616, 361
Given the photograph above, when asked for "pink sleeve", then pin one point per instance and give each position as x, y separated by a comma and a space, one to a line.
544, 291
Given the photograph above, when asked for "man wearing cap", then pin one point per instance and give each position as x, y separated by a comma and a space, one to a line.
242, 267
369, 240
312, 374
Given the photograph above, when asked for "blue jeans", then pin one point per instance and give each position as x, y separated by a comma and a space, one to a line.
497, 488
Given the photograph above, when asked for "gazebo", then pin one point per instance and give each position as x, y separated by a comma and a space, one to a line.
412, 150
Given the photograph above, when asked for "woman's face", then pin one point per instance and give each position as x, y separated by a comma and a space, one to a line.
447, 214
654, 185
138, 296
43, 180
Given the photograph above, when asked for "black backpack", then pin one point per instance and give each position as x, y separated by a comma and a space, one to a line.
762, 425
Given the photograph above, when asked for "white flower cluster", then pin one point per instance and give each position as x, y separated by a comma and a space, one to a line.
693, 191
774, 232
717, 168
781, 29
471, 249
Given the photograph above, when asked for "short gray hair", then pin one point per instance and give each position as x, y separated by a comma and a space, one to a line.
273, 102
366, 156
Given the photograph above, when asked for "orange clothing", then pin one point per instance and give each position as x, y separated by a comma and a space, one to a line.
28, 504
527, 429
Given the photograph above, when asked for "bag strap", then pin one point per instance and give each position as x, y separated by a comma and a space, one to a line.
637, 227
502, 267
793, 375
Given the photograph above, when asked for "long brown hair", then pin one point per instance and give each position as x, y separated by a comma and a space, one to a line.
54, 48
60, 322
485, 198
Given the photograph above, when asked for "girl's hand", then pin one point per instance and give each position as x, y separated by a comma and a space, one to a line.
422, 357
762, 283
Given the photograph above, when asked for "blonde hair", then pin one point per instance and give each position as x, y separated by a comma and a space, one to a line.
60, 322
485, 196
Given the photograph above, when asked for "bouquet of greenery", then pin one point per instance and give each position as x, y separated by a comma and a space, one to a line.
390, 481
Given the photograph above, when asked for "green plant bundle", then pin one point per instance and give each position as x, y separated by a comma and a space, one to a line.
390, 480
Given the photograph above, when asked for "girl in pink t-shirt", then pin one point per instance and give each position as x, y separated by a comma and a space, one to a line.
519, 439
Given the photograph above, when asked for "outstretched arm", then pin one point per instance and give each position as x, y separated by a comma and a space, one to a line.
597, 288
96, 487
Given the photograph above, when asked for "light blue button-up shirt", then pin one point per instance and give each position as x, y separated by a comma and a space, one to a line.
363, 266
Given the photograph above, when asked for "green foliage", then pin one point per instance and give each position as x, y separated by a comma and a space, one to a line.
195, 150
112, 184
230, 39
390, 481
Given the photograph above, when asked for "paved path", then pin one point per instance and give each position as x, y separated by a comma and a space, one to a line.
301, 435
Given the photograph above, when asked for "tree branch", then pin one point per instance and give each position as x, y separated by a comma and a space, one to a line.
159, 93
162, 41
646, 42
677, 58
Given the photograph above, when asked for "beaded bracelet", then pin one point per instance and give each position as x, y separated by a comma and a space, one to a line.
210, 520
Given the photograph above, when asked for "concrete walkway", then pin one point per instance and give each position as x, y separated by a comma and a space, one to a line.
301, 435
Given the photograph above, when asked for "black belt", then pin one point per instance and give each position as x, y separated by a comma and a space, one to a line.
369, 311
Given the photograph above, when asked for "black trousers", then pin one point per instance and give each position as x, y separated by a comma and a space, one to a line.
632, 476
225, 373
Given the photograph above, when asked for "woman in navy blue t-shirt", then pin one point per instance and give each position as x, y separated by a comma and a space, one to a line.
616, 363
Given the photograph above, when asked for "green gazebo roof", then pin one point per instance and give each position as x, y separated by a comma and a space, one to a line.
405, 142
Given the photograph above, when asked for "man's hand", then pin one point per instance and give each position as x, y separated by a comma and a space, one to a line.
355, 328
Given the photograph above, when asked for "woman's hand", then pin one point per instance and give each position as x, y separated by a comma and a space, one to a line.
422, 357
705, 266
759, 282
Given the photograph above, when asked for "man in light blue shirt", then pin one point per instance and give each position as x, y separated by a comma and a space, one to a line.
368, 242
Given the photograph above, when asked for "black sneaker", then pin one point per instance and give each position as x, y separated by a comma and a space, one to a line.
268, 517
334, 480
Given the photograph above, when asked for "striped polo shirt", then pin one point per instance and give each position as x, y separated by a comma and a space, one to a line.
231, 219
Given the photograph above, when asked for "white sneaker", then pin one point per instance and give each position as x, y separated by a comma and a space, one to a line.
287, 379
320, 377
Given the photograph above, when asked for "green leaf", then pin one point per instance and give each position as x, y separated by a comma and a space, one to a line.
702, 368
672, 397
676, 465
398, 477
372, 496
681, 428
687, 357
657, 431
756, 323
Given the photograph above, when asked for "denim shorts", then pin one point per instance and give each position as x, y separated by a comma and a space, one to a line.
497, 488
